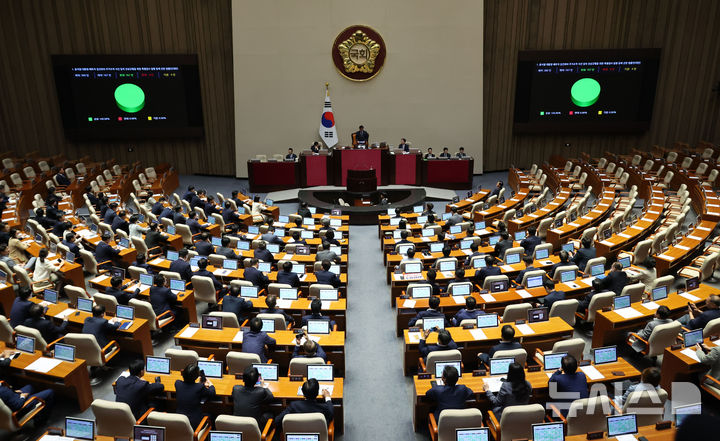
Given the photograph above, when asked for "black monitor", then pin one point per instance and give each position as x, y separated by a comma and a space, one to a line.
148, 433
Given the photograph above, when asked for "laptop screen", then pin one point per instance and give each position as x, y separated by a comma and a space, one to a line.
125, 312
548, 432
681, 412
312, 210
512, 258
402, 249
172, 255
177, 285
436, 247
70, 257
25, 344
624, 261
264, 267
288, 293
157, 365
268, 325
79, 428
433, 322
230, 264
691, 284
474, 434
273, 247
448, 265
494, 240
335, 269
249, 291
567, 276
520, 235
421, 219
413, 267
607, 354
440, 367
211, 322
117, 272
305, 234
329, 294
64, 352
302, 437
283, 219
268, 371
421, 292
691, 338
500, 366
391, 212
487, 321
212, 369
607, 233
465, 244
536, 315
418, 209
499, 286
146, 279
395, 221
50, 295
216, 241
462, 289
148, 433
553, 361
479, 262
253, 229
659, 293
480, 225
85, 305
308, 221
298, 268
534, 281
320, 372
455, 229
568, 247
243, 245
621, 425
620, 302
428, 232
225, 436
596, 270
445, 216
542, 253
318, 326
397, 234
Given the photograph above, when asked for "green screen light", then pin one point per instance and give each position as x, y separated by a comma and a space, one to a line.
585, 92
129, 98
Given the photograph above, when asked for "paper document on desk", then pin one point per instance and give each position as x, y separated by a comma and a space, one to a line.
64, 313
525, 329
314, 338
448, 274
665, 257
132, 288
327, 387
587, 280
284, 303
43, 364
626, 236
487, 297
607, 243
626, 438
592, 372
682, 247
479, 334
238, 337
414, 337
629, 312
467, 252
99, 279
56, 438
694, 237
493, 384
460, 300
690, 352
326, 304
409, 304
303, 277
689, 296
636, 227
221, 272
507, 268
522, 293
651, 305
189, 332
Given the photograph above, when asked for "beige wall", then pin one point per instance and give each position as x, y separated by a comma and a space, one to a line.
429, 91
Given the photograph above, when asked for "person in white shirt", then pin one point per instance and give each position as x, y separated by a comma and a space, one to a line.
44, 270
136, 230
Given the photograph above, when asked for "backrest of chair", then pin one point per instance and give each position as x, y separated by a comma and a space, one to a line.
711, 328
279, 319
509, 214
520, 355
89, 262
565, 309
452, 419
177, 426
298, 365
594, 261
229, 319
492, 279
75, 292
179, 358
204, 289
306, 422
701, 169
248, 426
668, 177
240, 283
713, 175
514, 250
647, 404
169, 275
663, 336
109, 302
573, 346
238, 361
687, 162
274, 288
668, 281
6, 331
642, 250
144, 310
635, 291
599, 301
40, 343
113, 418
515, 312
588, 415
86, 347
435, 356
517, 421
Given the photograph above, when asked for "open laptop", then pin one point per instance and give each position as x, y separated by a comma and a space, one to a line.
230, 264
548, 432
520, 235
479, 262
177, 286
487, 321
624, 261
691, 338
542, 253
512, 258
268, 325
211, 322
480, 225
534, 282
146, 280
472, 434
448, 265
620, 302
434, 322
567, 276
536, 315
64, 352
172, 256
499, 286
440, 367
288, 293
500, 366
659, 293
493, 240
553, 362
157, 365
50, 295
569, 247
298, 268
225, 436
85, 305
268, 371
318, 326
148, 433
461, 289
25, 344
249, 292
333, 295
622, 425
212, 369
302, 437
320, 372
413, 267
598, 271
79, 428
607, 354
692, 284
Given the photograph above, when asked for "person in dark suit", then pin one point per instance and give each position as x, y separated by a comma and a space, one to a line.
255, 276
136, 392
309, 347
287, 276
461, 153
47, 329
271, 302
455, 218
515, 391
564, 261
203, 245
552, 296
98, 326
489, 270
161, 297
15, 399
531, 241
232, 302
496, 191
528, 261
210, 207
445, 153
404, 146
310, 389
43, 220
104, 252
154, 238
167, 212
110, 213
431, 277
326, 277
503, 245
250, 400
71, 242
291, 156
225, 250
53, 212
468, 313
189, 193
120, 222
262, 253
270, 236
444, 343
158, 206
507, 343
182, 265
327, 254
195, 226
116, 290
141, 262
61, 178
569, 384
615, 280
404, 239
474, 247
20, 310
195, 201
330, 238
255, 340
189, 394
178, 217
315, 314
449, 395
229, 215
429, 154
584, 254
202, 271
696, 318
315, 147
361, 136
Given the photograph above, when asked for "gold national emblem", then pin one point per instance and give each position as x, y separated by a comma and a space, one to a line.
358, 53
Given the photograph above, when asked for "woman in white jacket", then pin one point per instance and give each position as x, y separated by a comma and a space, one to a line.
44, 270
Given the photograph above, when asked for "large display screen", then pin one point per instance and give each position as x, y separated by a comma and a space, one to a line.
585, 90
128, 96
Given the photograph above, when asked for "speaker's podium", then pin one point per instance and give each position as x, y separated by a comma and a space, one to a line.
361, 181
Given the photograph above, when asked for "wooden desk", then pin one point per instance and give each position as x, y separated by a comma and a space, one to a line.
558, 236
533, 219
335, 310
677, 366
466, 204
497, 211
648, 432
546, 334
220, 342
72, 272
677, 255
7, 297
538, 380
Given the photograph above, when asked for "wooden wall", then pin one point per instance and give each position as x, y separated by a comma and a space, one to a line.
32, 30
685, 108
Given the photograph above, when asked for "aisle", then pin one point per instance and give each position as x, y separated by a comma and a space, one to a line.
378, 399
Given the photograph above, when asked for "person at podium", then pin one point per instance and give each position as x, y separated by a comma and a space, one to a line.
361, 137
445, 153
461, 153
404, 145
315, 148
291, 156
429, 154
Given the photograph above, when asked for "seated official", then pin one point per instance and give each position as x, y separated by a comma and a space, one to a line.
315, 147
189, 395
429, 209
232, 302
404, 146
431, 277
255, 341
135, 229
45, 326
251, 399
461, 153
297, 239
229, 215
489, 270
20, 310
61, 178
469, 312
178, 217
271, 302
696, 318
98, 326
507, 343
120, 222
531, 241
330, 238
210, 207
450, 395
15, 399
291, 156
187, 196
315, 314
444, 343
104, 252
270, 236
327, 254
528, 261
445, 153
154, 237
474, 247
203, 246
116, 290
432, 311
460, 276
661, 317
503, 245
429, 154
361, 136
182, 265
203, 272
287, 276
195, 226
567, 385
254, 275
410, 255
262, 253
166, 213
514, 391
585, 253
649, 381
159, 206
309, 348
161, 297
224, 250
455, 218
141, 262
327, 277
110, 213
496, 191
310, 389
709, 357
445, 254
564, 261
136, 392
552, 296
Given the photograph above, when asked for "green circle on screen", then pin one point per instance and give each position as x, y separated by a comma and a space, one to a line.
585, 92
129, 98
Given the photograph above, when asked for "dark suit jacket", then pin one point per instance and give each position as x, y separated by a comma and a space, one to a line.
157, 208
154, 239
188, 399
308, 406
464, 314
582, 256
249, 401
227, 252
305, 319
120, 224
449, 397
210, 208
204, 248
404, 147
135, 392
62, 179
320, 353
529, 243
255, 342
47, 329
99, 327
576, 382
183, 268
230, 216
481, 275
105, 252
19, 311
12, 399
256, 277
551, 298
109, 216
327, 278
263, 255
161, 299
425, 349
288, 277
238, 306
701, 320
178, 218
166, 212
206, 273
123, 297
73, 247
272, 238
195, 226
504, 346
614, 281
362, 135
501, 247
195, 201
521, 274
428, 313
